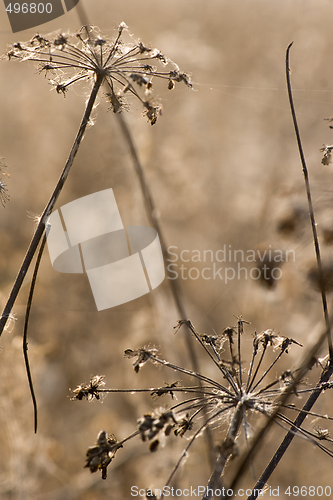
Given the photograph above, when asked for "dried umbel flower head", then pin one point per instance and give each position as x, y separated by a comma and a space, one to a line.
127, 67
236, 395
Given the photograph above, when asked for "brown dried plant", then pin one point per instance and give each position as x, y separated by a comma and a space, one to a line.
235, 396
127, 68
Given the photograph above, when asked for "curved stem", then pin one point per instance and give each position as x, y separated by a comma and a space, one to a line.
311, 211
25, 333
41, 225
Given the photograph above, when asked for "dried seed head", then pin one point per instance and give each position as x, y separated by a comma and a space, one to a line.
100, 455
60, 41
322, 433
165, 390
182, 322
89, 391
228, 398
152, 424
143, 355
209, 339
125, 65
184, 425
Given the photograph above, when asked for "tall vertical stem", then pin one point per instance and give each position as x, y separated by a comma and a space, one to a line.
310, 205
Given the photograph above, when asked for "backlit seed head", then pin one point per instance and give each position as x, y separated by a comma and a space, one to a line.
126, 66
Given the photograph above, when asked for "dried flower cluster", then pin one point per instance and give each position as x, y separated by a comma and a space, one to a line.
142, 356
231, 397
153, 424
127, 68
90, 391
100, 455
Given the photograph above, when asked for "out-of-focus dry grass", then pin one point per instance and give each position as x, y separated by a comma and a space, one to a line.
223, 166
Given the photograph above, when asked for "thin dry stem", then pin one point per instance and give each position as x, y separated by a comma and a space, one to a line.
310, 205
42, 222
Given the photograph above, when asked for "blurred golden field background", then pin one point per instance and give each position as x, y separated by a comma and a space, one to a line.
223, 167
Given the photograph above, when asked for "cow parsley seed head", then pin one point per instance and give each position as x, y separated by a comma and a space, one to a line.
127, 66
231, 400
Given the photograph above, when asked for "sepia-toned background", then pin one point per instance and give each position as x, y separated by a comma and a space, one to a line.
223, 167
